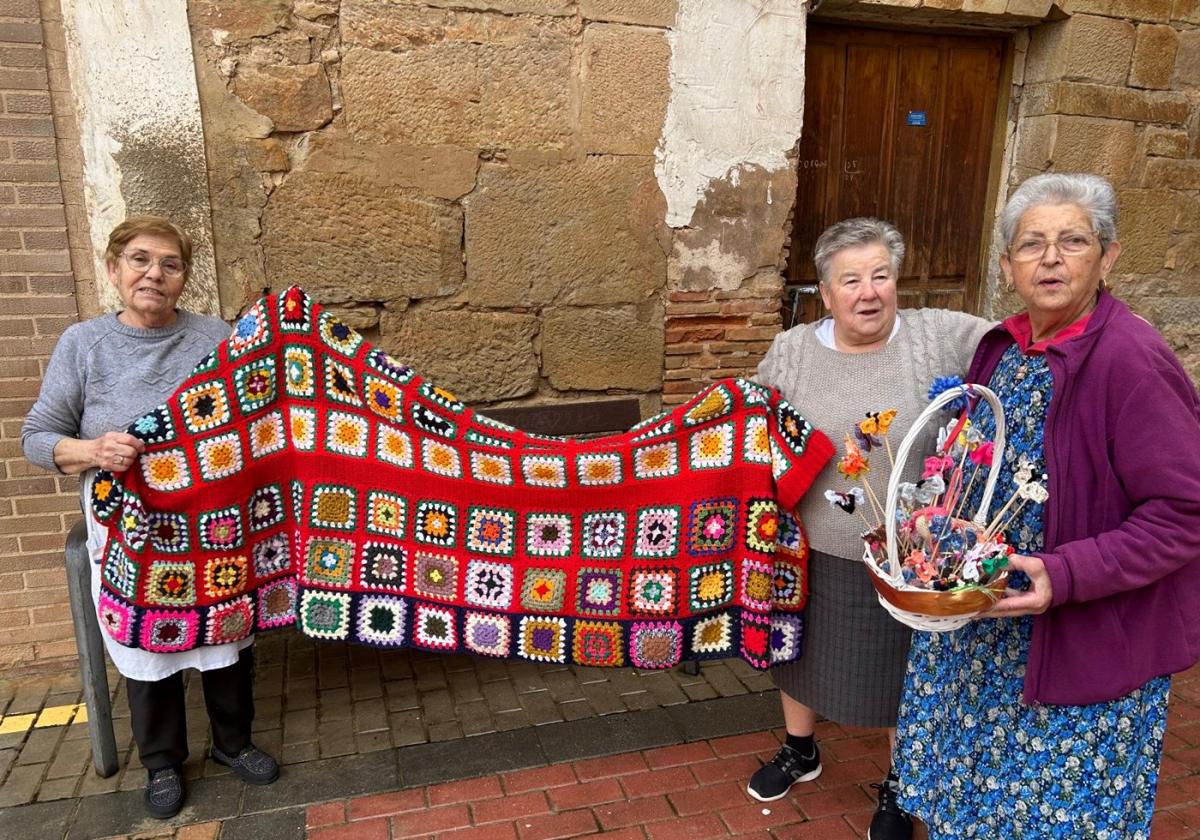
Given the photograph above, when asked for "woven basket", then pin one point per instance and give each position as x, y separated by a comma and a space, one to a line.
926, 609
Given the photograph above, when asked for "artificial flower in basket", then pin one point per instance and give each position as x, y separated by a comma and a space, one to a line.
934, 565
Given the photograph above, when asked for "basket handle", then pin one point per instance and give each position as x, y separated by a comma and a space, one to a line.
910, 440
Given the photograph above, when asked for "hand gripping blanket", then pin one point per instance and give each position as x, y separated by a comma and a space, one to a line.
301, 476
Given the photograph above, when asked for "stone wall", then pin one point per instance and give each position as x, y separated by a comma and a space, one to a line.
439, 170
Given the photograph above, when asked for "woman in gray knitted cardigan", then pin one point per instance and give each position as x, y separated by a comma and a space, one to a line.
104, 374
867, 357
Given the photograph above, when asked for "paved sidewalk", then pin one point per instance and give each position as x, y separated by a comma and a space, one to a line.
320, 701
685, 780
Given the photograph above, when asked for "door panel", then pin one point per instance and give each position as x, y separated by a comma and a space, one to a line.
898, 125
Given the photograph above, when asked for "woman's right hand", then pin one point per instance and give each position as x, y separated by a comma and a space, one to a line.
113, 451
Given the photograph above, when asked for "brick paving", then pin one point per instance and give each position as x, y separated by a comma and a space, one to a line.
318, 701
675, 792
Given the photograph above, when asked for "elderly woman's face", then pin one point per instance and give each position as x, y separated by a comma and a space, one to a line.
1055, 264
148, 292
861, 296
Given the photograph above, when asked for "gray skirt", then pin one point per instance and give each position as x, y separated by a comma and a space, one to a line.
852, 669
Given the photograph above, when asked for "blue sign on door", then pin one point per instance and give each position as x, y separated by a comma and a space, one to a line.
916, 118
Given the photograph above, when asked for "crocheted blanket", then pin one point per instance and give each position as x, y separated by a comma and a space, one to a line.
302, 476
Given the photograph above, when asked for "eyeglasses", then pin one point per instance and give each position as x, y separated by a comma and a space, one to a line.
1033, 248
141, 261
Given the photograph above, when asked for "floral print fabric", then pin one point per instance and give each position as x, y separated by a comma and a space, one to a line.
973, 760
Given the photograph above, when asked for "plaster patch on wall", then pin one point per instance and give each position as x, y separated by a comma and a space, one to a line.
737, 95
134, 86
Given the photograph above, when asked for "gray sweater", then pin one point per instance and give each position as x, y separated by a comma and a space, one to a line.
835, 390
103, 375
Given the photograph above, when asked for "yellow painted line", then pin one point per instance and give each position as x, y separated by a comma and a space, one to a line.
81, 714
10, 724
55, 716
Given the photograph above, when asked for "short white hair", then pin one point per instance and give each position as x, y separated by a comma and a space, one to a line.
850, 233
1094, 195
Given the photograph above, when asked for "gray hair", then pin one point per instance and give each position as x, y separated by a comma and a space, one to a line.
1091, 193
850, 233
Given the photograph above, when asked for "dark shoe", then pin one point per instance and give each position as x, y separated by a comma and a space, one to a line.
889, 822
164, 793
773, 780
252, 764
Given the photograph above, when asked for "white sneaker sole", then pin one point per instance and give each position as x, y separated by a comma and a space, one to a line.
807, 777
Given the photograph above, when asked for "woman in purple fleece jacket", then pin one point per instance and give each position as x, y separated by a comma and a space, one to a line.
1045, 718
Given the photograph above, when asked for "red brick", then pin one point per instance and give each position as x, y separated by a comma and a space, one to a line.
470, 790
840, 800
538, 778
365, 830
510, 807
431, 821
751, 817
328, 813
495, 831
709, 798
384, 804
612, 765
637, 812
702, 827
634, 832
555, 826
739, 769
585, 794
755, 742
826, 828
857, 771
654, 782
1166, 826
681, 754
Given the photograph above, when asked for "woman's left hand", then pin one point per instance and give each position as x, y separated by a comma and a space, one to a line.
1033, 601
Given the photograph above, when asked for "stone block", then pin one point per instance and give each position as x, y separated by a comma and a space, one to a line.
1187, 11
1187, 59
1172, 174
1166, 142
508, 7
574, 234
1085, 47
347, 240
294, 97
240, 21
738, 228
440, 171
1153, 56
479, 356
644, 12
625, 88
1119, 103
476, 81
1036, 9
598, 349
315, 9
1158, 11
985, 7
1086, 144
1035, 142
1147, 217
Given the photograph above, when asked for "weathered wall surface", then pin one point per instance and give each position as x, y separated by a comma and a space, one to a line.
436, 169
142, 142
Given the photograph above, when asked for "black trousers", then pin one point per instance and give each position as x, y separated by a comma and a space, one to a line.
159, 721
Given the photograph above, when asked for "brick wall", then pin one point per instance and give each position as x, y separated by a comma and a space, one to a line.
37, 302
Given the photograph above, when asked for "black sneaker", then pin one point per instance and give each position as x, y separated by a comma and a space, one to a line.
164, 793
773, 780
889, 822
252, 764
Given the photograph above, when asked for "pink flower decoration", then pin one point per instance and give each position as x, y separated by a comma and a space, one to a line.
935, 465
982, 454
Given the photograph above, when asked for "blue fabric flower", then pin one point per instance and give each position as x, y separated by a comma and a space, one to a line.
949, 383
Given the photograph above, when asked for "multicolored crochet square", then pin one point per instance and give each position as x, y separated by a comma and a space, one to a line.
302, 477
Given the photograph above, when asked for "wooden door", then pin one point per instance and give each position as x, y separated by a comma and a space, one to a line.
897, 125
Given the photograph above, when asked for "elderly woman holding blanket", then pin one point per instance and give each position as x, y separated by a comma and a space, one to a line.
1045, 717
867, 358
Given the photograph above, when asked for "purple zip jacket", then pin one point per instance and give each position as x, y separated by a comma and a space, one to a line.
1122, 524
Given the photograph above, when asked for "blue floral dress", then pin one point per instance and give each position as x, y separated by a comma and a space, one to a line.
973, 760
